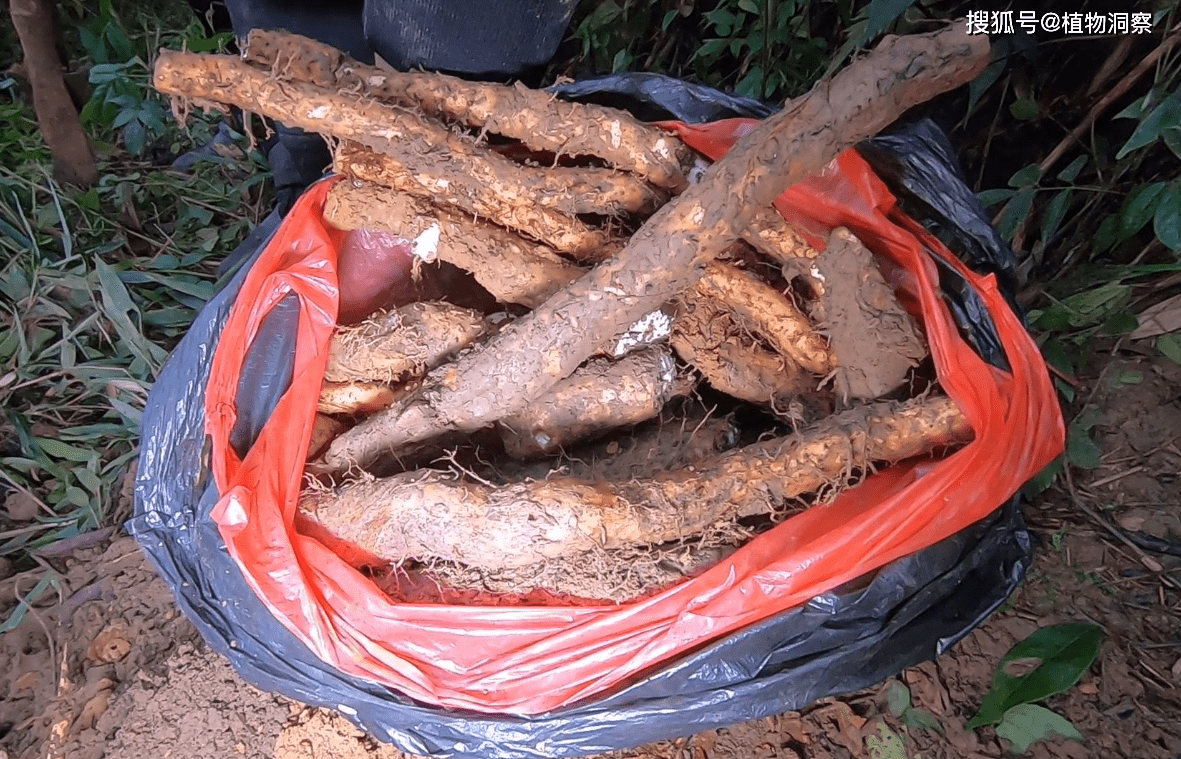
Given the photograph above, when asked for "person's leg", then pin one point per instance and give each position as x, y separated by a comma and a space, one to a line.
298, 158
472, 38
337, 23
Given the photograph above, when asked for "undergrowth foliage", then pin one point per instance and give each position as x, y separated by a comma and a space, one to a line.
756, 48
1098, 228
96, 287
122, 102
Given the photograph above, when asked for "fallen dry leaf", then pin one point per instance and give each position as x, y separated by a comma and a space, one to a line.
21, 507
1159, 319
927, 690
111, 644
848, 724
793, 725
1133, 521
27, 681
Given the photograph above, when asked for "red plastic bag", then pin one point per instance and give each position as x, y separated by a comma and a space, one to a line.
523, 659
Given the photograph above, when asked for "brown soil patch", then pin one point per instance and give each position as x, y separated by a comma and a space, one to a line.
126, 676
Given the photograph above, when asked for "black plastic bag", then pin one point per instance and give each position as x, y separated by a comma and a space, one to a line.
910, 610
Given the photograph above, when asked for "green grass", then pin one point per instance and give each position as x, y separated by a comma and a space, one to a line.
96, 287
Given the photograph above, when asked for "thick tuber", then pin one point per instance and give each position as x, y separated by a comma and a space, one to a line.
401, 344
708, 336
433, 515
511, 268
449, 182
539, 120
598, 397
874, 341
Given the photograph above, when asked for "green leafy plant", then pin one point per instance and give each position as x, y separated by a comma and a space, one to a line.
888, 746
96, 287
1048, 662
1069, 201
899, 704
1117, 199
880, 14
1081, 450
20, 144
1156, 202
50, 580
1099, 305
1159, 118
121, 97
1170, 346
769, 40
120, 103
609, 33
765, 49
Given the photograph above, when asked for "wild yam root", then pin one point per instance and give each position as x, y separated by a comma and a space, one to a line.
769, 313
770, 234
600, 396
424, 157
401, 344
710, 338
536, 118
444, 180
325, 428
352, 398
511, 268
367, 360
519, 524
617, 575
874, 341
656, 446
518, 229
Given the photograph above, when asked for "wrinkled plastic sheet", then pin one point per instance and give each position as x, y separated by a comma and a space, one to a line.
912, 608
658, 97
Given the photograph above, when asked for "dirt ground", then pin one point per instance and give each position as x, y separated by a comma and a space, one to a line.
116, 671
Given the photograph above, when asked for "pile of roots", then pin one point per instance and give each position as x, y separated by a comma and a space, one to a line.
618, 374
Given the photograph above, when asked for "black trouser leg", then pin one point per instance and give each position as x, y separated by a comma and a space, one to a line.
472, 38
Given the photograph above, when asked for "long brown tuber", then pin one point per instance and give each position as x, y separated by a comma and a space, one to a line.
874, 341
598, 397
397, 345
708, 336
448, 182
770, 234
536, 118
511, 268
351, 398
520, 524
324, 429
433, 161
769, 313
